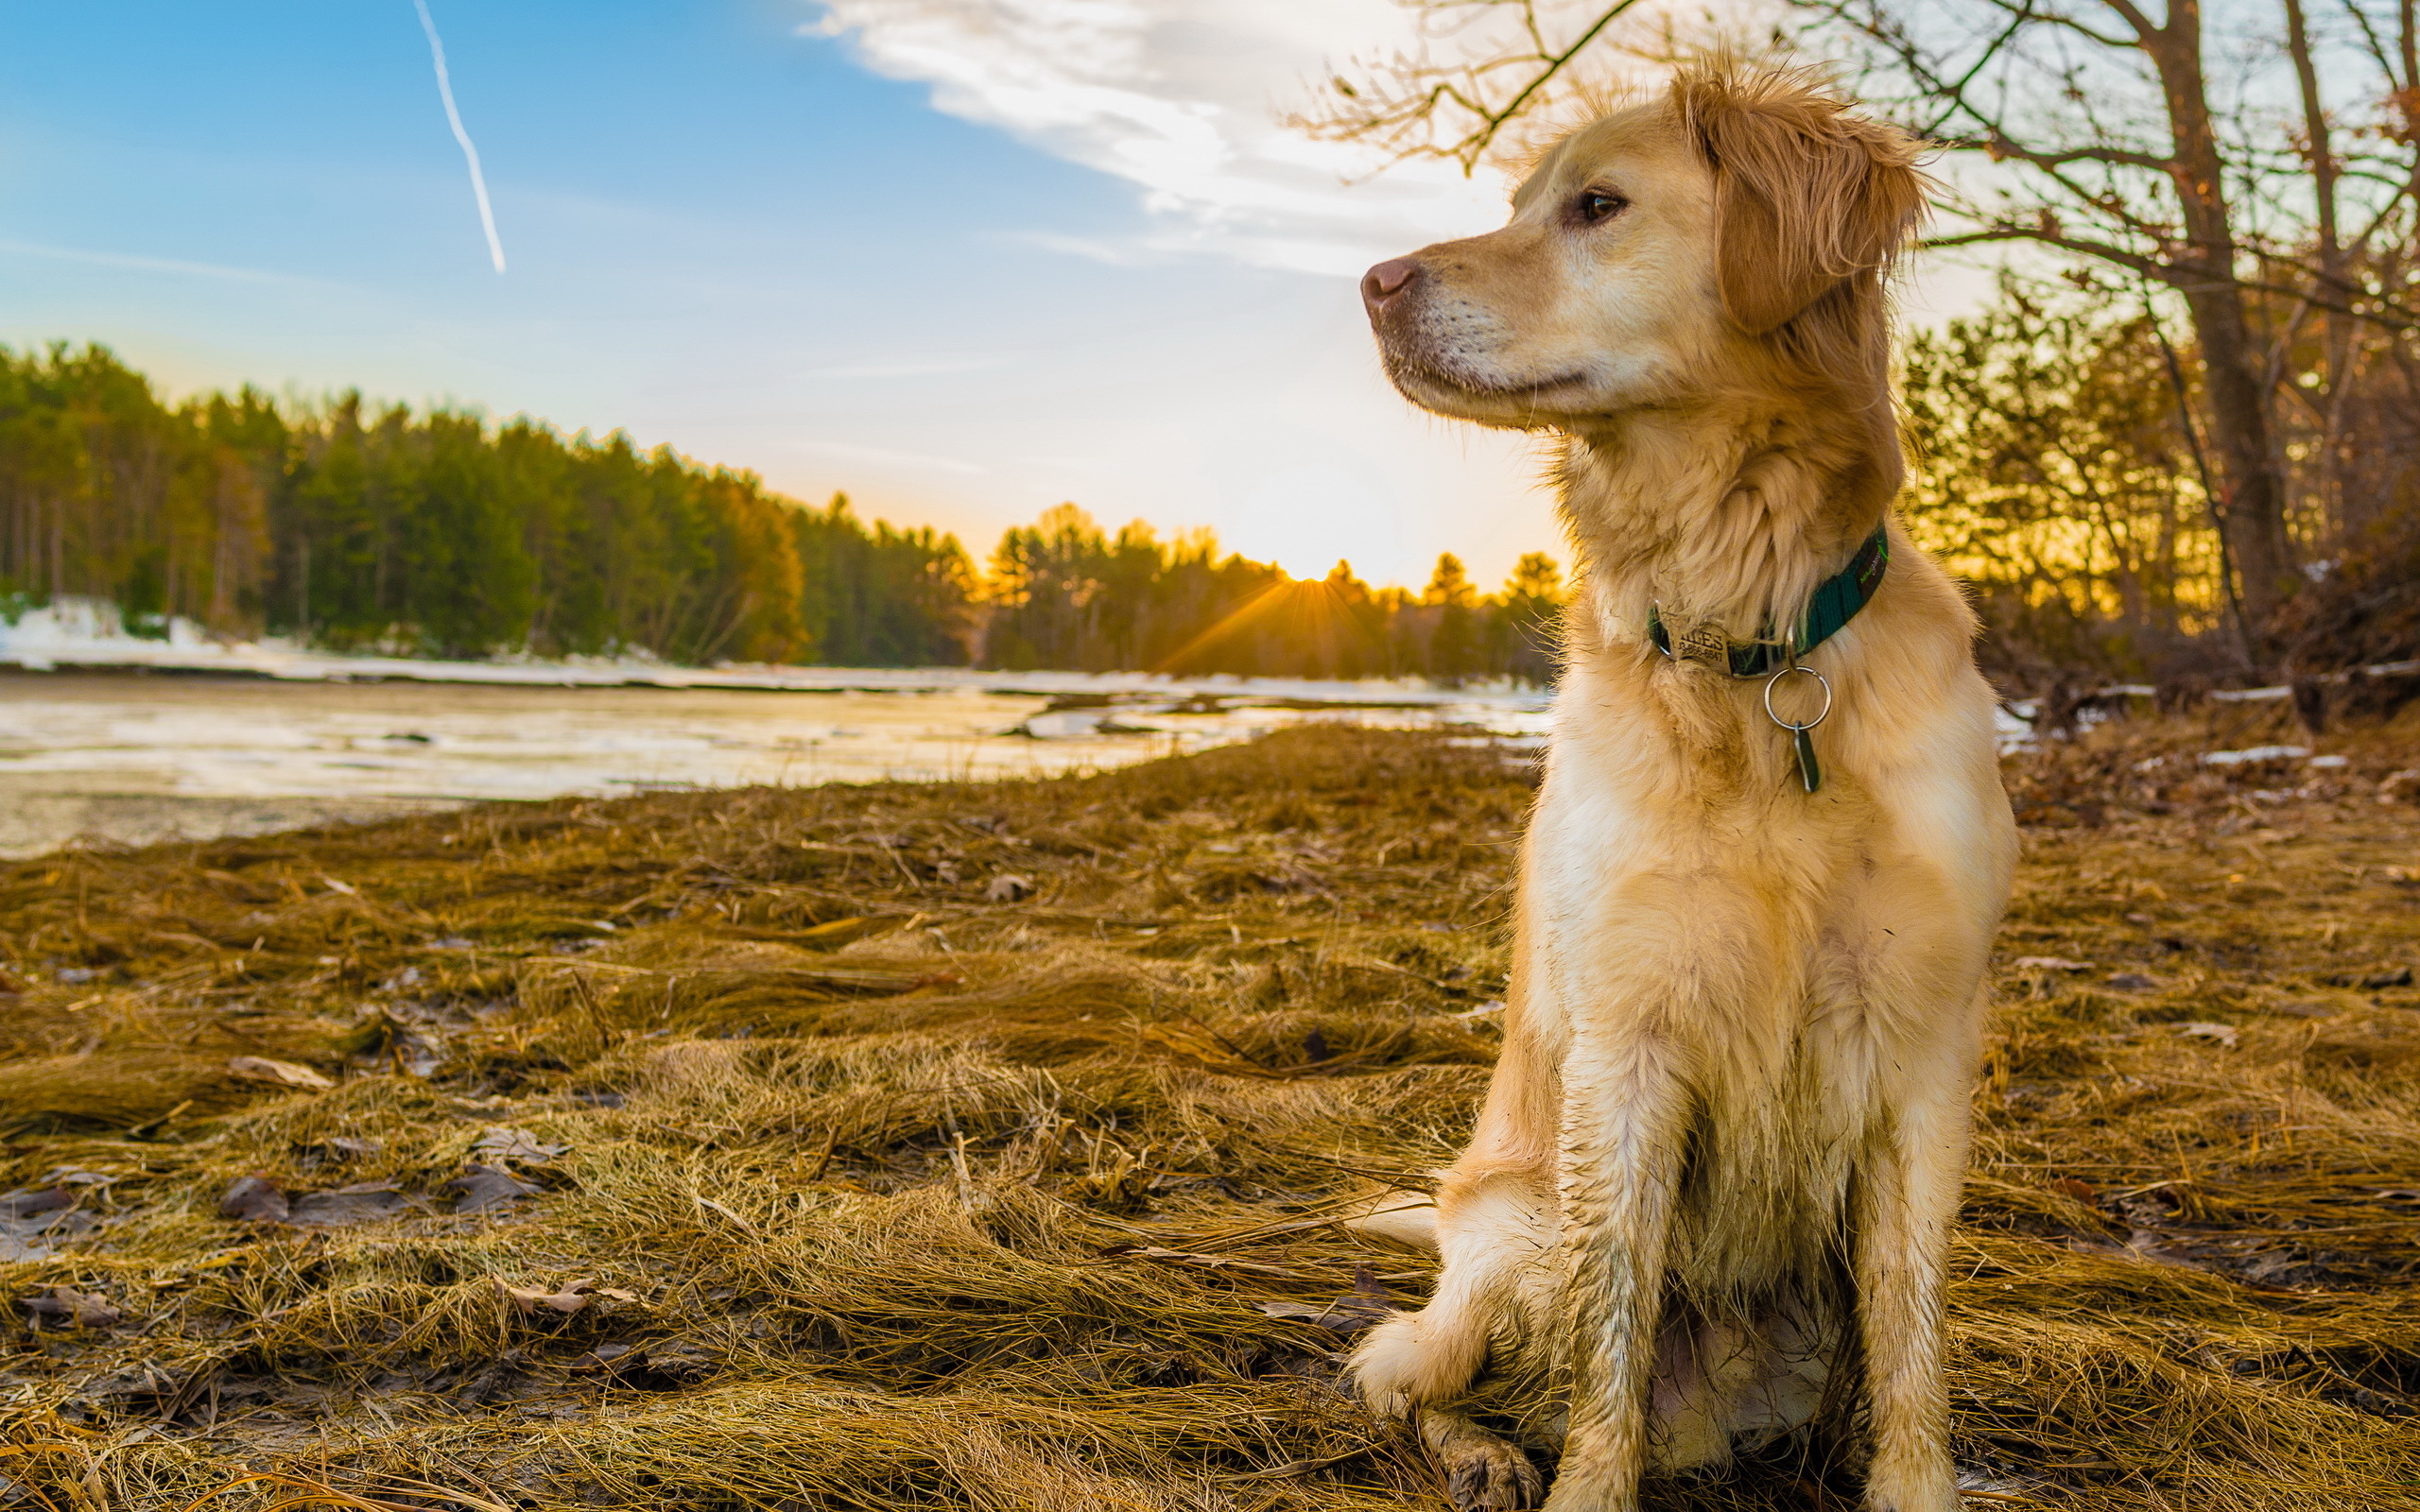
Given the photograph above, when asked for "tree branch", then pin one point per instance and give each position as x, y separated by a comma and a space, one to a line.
2000, 147
1422, 90
2132, 14
2182, 279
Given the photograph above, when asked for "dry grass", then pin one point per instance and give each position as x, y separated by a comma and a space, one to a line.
860, 1169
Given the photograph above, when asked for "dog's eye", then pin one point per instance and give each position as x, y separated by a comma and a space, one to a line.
1596, 205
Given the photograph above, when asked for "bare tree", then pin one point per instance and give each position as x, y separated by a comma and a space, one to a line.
1482, 68
2261, 176
2246, 194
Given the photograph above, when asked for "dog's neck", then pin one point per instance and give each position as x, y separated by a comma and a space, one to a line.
1722, 515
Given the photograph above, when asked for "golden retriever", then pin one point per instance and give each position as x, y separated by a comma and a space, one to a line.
1711, 1186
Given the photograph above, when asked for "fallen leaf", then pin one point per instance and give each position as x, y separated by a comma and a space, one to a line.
570, 1300
481, 1187
1007, 887
66, 1305
2081, 1191
254, 1200
26, 1201
282, 1073
257, 1199
37, 1220
2048, 963
364, 1202
2223, 1033
505, 1142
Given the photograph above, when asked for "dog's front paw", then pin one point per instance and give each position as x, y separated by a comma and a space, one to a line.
1387, 1368
1417, 1359
1483, 1473
1494, 1477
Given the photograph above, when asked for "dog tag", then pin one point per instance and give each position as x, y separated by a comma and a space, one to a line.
1810, 771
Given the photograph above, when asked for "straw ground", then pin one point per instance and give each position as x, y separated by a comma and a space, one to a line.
981, 1146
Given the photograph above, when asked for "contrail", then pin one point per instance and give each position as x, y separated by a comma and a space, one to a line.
454, 118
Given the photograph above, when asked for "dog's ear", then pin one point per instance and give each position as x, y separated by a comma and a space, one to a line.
1806, 196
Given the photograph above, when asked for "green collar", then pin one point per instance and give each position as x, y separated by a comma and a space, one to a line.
1836, 601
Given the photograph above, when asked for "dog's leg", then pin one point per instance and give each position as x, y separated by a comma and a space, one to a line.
1495, 1231
1495, 1235
1482, 1472
1623, 1137
1906, 1200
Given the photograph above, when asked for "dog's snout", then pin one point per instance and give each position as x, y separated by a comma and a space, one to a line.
1386, 281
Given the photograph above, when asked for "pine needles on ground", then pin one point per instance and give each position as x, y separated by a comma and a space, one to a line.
980, 1147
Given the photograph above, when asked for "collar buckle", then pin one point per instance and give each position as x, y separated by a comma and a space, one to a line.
1836, 601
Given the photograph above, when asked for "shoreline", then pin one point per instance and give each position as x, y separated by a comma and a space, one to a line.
84, 641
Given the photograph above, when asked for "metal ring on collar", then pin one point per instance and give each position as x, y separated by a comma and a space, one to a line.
1821, 681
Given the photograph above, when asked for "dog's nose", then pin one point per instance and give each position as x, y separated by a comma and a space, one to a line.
1386, 281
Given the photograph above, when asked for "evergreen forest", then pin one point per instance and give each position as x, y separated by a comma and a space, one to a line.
359, 528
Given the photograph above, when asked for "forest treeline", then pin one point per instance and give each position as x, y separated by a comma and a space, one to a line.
438, 534
2062, 465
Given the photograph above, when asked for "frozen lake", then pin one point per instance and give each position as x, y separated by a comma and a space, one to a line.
159, 750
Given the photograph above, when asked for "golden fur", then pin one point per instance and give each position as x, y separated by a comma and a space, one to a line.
1723, 1146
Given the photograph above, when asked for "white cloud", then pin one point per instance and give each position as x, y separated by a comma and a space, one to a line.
1180, 98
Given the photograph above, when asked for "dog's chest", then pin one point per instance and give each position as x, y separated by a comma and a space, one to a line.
1722, 896
1746, 937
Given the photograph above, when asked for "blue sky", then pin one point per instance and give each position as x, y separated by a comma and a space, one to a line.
1095, 271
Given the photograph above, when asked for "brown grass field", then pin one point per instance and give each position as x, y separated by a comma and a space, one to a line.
759, 1150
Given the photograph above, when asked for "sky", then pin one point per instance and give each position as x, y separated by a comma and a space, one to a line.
962, 259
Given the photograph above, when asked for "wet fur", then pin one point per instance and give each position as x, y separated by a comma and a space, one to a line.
1713, 1177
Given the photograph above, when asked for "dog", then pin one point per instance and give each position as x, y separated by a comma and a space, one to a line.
1710, 1189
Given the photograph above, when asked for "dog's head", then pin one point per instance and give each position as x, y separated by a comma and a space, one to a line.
1740, 224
